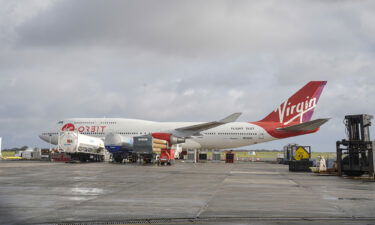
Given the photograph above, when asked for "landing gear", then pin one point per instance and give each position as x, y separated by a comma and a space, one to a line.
133, 158
124, 156
118, 158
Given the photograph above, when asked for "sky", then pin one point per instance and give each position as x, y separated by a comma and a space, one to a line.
182, 60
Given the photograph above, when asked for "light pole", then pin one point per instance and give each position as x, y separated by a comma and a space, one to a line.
50, 136
0, 150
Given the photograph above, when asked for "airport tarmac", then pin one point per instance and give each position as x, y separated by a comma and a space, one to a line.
186, 193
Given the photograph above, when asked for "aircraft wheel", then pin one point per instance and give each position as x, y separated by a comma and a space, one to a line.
118, 159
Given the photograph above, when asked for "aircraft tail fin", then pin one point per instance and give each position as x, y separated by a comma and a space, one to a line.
299, 107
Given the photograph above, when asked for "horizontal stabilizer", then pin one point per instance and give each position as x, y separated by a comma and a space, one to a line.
306, 126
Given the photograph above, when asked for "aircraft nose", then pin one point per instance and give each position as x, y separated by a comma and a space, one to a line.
43, 137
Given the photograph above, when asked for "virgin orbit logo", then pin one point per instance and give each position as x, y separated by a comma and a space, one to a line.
68, 127
297, 110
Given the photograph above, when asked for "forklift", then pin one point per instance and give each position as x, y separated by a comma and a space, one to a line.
355, 156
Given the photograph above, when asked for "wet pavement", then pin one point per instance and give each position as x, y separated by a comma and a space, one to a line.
186, 193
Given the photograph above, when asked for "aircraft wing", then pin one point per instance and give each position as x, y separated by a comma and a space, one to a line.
306, 126
196, 129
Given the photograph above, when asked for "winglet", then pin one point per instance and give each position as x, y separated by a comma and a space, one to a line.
231, 118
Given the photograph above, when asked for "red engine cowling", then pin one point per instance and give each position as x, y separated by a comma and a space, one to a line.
172, 140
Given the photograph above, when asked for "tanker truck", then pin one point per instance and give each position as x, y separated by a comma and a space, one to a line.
81, 147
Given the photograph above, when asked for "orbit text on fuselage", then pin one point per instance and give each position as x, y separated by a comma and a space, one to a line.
92, 129
81, 129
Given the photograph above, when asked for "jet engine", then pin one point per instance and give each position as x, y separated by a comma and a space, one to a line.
116, 142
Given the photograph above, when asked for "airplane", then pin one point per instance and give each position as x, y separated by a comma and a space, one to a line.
291, 118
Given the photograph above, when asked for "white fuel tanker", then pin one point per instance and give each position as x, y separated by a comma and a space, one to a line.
81, 147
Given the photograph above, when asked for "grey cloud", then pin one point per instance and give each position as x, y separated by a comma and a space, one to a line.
181, 61
201, 28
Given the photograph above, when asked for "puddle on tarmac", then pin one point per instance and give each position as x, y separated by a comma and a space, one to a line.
329, 197
87, 191
80, 198
358, 199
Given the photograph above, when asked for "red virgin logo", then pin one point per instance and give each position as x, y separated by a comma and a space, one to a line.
68, 127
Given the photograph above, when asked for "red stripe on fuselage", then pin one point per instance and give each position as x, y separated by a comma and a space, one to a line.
270, 128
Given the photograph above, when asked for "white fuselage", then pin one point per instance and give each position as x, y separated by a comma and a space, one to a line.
230, 135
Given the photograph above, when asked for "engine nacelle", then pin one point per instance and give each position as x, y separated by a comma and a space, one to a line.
116, 142
172, 140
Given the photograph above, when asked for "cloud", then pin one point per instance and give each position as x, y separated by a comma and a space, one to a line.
181, 61
209, 27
